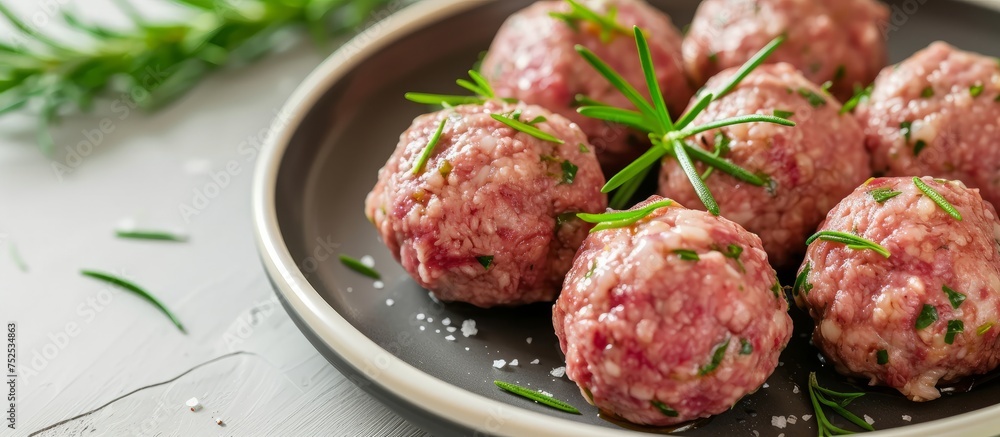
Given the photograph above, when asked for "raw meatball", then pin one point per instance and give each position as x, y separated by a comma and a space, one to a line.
868, 308
937, 114
811, 166
489, 220
671, 319
533, 59
828, 40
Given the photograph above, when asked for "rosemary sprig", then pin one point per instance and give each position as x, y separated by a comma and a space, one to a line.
668, 137
150, 235
937, 198
852, 241
837, 402
357, 266
578, 12
155, 62
130, 286
526, 128
479, 86
429, 149
536, 396
612, 220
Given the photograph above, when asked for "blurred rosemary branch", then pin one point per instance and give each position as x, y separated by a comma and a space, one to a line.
53, 77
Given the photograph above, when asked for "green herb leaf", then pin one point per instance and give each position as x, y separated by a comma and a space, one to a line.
618, 82
583, 148
882, 357
699, 185
746, 348
776, 288
667, 411
687, 254
578, 12
442, 99
820, 397
526, 128
725, 166
429, 149
130, 286
486, 261
357, 266
721, 150
852, 241
860, 95
783, 114
593, 267
801, 281
928, 315
742, 119
954, 297
717, 355
536, 396
569, 172
954, 327
652, 84
750, 65
815, 100
906, 129
937, 198
882, 194
626, 117
984, 328
612, 220
918, 147
927, 92
976, 89
840, 73
150, 235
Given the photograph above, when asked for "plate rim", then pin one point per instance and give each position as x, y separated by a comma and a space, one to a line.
420, 390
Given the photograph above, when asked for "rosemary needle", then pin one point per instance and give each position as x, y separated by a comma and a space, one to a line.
426, 154
852, 241
536, 396
526, 128
357, 266
150, 235
937, 198
130, 286
621, 219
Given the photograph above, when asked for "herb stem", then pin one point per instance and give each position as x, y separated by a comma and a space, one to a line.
130, 286
699, 185
543, 399
150, 235
357, 266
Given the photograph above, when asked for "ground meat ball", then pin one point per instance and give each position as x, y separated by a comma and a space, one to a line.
829, 40
937, 114
811, 166
864, 303
486, 221
645, 325
533, 59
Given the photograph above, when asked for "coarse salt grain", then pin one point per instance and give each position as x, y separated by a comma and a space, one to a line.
469, 328
430, 320
558, 372
806, 417
446, 321
513, 362
545, 393
795, 388
869, 419
450, 338
421, 316
535, 361
792, 420
350, 289
379, 285
466, 348
423, 328
389, 302
528, 340
779, 421
367, 261
766, 385
907, 417
451, 329
499, 364
437, 331
193, 404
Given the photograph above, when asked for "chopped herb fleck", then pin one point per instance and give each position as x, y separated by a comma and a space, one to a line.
734, 251
776, 289
801, 284
906, 128
578, 12
984, 328
840, 73
564, 218
569, 172
918, 147
928, 315
593, 267
713, 58
717, 355
815, 100
667, 411
954, 327
882, 356
536, 396
860, 95
445, 169
976, 89
687, 254
486, 261
927, 92
954, 297
783, 114
583, 148
746, 348
357, 266
882, 194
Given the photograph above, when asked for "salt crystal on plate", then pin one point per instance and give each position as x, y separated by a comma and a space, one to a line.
545, 393
193, 404
795, 389
792, 420
437, 331
421, 316
423, 328
430, 319
766, 385
446, 321
350, 290
379, 285
499, 363
469, 328
513, 362
528, 340
806, 417
450, 338
535, 361
389, 302
869, 419
451, 329
907, 417
367, 261
779, 421
558, 372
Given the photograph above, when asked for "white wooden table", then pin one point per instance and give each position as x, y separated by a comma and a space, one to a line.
95, 359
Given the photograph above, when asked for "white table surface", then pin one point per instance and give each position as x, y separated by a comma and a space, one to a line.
122, 368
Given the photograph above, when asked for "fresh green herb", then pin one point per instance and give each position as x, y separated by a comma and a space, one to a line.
717, 355
937, 198
954, 327
746, 348
976, 89
928, 315
578, 12
882, 357
918, 147
569, 172
840, 73
667, 411
852, 241
713, 58
954, 297
815, 100
478, 85
906, 128
776, 289
583, 100
825, 86
536, 120
486, 261
882, 194
927, 92
860, 95
429, 149
130, 286
612, 220
583, 148
721, 150
164, 59
593, 267
687, 254
984, 328
150, 235
536, 396
15, 255
667, 137
357, 266
801, 281
783, 114
526, 128
837, 402
734, 251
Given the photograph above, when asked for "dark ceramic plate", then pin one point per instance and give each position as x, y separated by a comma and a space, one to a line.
310, 186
